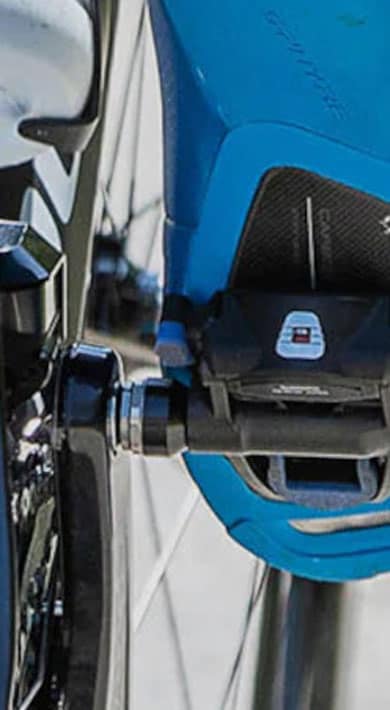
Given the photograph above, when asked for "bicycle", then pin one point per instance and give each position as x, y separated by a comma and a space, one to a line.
296, 388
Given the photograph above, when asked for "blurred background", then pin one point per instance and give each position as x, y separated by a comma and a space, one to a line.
190, 621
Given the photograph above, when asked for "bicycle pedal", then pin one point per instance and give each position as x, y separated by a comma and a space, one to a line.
285, 427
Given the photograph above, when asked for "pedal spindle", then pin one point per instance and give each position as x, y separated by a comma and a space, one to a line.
152, 418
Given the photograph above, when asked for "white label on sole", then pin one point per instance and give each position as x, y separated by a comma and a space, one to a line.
301, 337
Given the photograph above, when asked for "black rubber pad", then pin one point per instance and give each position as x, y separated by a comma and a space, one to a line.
305, 231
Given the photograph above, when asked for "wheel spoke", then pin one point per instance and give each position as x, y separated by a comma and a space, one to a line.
107, 211
134, 152
172, 620
233, 683
150, 206
154, 233
165, 557
153, 205
138, 48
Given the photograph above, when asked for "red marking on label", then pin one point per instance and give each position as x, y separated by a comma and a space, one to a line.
302, 336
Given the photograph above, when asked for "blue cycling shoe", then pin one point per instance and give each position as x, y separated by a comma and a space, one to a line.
277, 182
